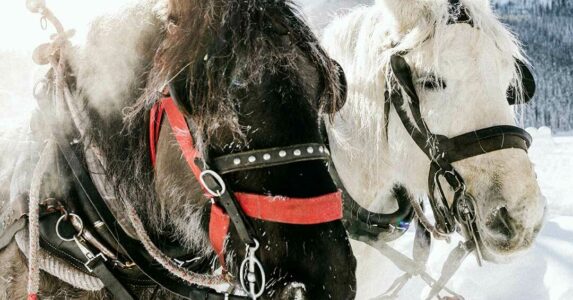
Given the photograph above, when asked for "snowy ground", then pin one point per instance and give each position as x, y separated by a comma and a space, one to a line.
545, 272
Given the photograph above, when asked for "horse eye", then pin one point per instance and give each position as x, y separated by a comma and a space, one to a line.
432, 82
172, 19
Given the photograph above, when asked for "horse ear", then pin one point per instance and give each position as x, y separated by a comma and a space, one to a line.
343, 85
179, 92
527, 81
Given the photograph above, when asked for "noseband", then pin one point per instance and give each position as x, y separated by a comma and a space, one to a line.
227, 206
443, 152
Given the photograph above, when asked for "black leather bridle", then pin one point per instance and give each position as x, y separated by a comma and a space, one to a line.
444, 151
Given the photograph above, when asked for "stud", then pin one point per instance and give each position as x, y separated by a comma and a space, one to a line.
252, 159
236, 161
297, 152
321, 149
310, 150
282, 153
266, 156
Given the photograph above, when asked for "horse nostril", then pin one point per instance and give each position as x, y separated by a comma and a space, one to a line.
501, 223
294, 291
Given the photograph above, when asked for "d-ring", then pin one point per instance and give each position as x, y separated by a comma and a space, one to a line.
60, 221
217, 178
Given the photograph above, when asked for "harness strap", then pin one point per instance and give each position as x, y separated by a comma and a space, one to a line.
265, 158
112, 284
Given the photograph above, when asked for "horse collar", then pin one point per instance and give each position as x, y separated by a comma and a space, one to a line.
226, 206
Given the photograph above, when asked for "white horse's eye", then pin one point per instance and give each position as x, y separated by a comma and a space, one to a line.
432, 82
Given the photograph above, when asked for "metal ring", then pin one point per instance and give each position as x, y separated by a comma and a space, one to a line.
217, 178
466, 201
242, 274
63, 217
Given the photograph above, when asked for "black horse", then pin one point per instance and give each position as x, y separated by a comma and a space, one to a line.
247, 75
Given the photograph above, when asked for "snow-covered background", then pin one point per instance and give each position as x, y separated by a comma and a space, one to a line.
545, 27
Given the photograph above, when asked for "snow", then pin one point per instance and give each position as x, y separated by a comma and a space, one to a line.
544, 272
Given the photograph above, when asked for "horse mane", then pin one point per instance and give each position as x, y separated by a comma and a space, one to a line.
204, 41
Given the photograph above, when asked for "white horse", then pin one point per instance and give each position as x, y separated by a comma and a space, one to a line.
462, 73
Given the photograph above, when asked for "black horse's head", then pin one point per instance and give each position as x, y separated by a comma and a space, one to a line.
250, 75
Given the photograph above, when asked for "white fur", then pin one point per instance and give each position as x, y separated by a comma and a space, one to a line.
477, 65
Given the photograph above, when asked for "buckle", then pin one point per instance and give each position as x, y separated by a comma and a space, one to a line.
92, 261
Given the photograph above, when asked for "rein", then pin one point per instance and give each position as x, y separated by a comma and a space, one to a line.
227, 206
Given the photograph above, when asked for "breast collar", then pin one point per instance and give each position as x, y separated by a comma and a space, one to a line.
227, 206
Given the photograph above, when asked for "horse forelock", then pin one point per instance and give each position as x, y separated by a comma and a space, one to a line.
209, 42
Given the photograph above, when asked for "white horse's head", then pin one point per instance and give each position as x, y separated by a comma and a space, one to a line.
463, 71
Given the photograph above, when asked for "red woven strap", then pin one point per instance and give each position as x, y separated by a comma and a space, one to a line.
300, 211
155, 119
180, 129
218, 229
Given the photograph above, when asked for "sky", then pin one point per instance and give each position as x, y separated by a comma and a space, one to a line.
20, 29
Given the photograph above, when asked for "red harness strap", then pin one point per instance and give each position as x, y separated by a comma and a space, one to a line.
309, 211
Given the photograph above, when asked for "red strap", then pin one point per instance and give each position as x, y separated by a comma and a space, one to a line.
180, 129
155, 119
301, 211
218, 229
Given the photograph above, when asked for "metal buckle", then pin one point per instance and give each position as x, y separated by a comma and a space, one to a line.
88, 263
218, 179
80, 241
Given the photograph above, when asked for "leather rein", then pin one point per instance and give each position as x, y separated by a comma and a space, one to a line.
236, 208
444, 151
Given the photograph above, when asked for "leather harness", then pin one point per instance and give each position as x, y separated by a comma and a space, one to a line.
120, 261
309, 211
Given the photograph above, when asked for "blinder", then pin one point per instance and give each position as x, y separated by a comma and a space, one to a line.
527, 82
178, 91
343, 84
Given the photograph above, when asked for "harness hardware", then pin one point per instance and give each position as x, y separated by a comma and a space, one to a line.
249, 268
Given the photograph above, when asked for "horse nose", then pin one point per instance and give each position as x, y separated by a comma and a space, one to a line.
501, 223
294, 291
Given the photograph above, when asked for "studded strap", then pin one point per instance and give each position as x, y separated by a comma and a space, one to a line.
265, 158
